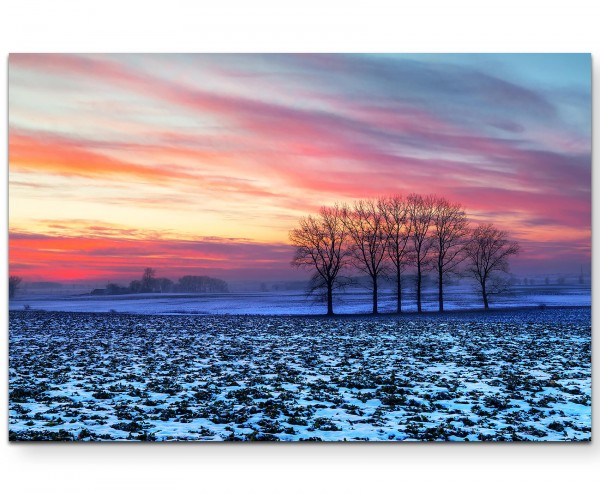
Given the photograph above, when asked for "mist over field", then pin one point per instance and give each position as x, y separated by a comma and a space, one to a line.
275, 299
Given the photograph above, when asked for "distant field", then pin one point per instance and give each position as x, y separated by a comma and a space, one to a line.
352, 301
506, 375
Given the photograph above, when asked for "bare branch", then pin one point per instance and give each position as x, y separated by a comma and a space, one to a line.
320, 247
367, 240
420, 210
488, 251
450, 231
398, 230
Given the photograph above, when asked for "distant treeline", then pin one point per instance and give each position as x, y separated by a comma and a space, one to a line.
149, 283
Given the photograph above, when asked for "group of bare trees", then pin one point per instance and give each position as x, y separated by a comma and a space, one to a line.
385, 237
149, 283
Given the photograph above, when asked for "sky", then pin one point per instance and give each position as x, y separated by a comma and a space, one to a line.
201, 164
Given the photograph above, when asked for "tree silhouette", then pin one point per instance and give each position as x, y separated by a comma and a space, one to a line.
367, 240
420, 213
319, 242
450, 231
201, 284
135, 286
148, 280
398, 230
165, 285
488, 251
13, 285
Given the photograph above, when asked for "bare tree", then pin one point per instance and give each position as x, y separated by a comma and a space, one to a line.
148, 280
450, 231
420, 213
397, 226
164, 284
488, 251
320, 247
135, 286
367, 247
13, 285
115, 289
199, 284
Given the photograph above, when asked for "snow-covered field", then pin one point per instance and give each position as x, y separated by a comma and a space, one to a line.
505, 375
352, 301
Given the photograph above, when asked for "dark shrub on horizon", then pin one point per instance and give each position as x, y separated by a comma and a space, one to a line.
201, 284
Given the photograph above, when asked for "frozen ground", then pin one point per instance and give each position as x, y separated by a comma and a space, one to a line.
505, 375
353, 301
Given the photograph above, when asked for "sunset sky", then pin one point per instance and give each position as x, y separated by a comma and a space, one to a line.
201, 164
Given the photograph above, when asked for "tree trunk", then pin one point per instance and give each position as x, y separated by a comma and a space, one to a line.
419, 287
399, 288
486, 305
441, 290
375, 295
329, 300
